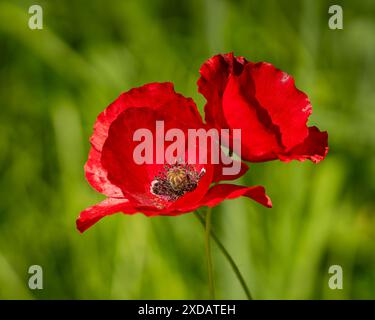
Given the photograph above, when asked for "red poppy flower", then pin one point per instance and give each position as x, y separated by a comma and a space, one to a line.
264, 103
152, 189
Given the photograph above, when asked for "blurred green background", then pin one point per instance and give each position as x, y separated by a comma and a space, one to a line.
55, 81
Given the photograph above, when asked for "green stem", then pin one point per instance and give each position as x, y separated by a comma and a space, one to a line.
208, 254
227, 256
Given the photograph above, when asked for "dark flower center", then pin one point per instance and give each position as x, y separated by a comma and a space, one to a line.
175, 180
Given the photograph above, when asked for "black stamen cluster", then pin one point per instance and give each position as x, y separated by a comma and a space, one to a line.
162, 186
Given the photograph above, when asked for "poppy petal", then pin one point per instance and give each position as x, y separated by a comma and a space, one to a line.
157, 93
96, 175
214, 73
107, 207
314, 147
259, 137
275, 92
221, 192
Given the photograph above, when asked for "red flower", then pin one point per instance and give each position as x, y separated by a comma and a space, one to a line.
264, 103
153, 189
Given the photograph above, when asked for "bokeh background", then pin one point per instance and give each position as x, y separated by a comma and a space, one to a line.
55, 81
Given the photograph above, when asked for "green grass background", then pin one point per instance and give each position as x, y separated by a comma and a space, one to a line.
55, 81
